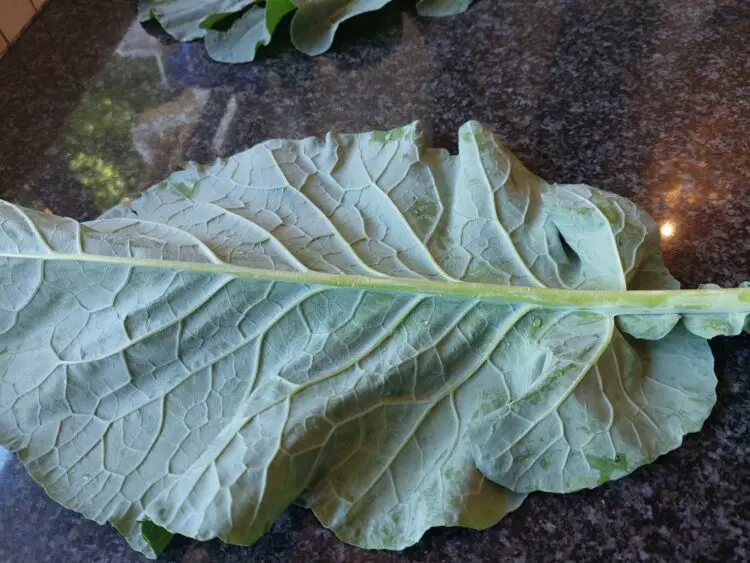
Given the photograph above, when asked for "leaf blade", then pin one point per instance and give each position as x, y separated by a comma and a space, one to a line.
262, 328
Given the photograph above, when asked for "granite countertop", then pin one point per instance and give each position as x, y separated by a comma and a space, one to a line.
649, 99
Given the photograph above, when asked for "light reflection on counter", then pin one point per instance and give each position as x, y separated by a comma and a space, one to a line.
4, 458
125, 135
667, 229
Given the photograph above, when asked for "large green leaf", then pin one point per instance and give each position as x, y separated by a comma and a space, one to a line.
254, 28
360, 322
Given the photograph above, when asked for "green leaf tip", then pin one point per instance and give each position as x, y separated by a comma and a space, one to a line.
156, 536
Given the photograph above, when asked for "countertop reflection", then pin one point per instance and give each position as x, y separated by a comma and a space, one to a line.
648, 99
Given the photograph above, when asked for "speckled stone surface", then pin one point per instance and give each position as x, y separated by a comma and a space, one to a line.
645, 98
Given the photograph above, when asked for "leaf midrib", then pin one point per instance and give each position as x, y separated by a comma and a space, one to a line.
610, 302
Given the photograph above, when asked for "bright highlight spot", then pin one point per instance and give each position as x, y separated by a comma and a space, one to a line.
4, 458
667, 229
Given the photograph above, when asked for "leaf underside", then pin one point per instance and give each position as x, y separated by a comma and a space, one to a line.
313, 25
144, 380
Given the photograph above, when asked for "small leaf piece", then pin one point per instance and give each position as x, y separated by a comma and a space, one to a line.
442, 8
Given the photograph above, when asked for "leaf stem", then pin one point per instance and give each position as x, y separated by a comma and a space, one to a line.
714, 301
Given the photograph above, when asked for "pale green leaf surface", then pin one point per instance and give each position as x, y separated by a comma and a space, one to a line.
253, 29
582, 427
231, 341
182, 19
442, 8
315, 23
